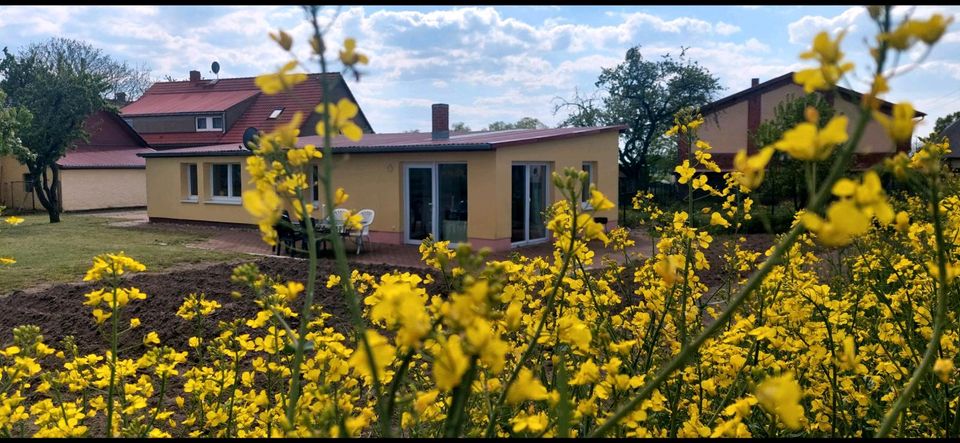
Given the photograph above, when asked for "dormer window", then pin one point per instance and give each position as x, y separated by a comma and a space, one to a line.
210, 123
275, 113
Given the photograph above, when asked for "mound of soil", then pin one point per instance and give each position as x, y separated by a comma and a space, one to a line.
59, 310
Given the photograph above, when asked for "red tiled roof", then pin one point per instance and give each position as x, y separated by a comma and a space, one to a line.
192, 102
410, 142
110, 157
303, 98
112, 144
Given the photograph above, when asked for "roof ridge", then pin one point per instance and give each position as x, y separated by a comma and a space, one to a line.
309, 74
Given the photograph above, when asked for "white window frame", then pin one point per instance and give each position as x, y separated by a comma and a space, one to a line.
209, 123
191, 182
275, 114
230, 181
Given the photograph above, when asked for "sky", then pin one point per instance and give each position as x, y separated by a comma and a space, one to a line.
493, 63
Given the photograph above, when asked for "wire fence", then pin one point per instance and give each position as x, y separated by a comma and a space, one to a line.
15, 197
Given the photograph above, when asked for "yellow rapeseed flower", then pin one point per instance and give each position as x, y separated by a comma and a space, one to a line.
341, 117
781, 396
282, 80
900, 127
805, 142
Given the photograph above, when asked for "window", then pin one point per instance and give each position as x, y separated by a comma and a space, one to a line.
190, 173
315, 185
275, 113
225, 182
591, 178
210, 123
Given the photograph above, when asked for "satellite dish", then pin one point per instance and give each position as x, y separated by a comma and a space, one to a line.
250, 136
215, 67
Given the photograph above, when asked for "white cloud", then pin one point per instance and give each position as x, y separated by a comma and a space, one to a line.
726, 28
803, 30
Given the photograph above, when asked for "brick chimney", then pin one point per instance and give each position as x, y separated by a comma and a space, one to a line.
754, 82
194, 76
441, 121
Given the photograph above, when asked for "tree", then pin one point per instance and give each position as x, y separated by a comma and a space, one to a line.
523, 123
459, 127
60, 94
12, 122
942, 124
80, 56
644, 95
785, 176
582, 111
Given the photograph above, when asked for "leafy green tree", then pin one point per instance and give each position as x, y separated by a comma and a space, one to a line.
459, 127
942, 124
645, 95
12, 122
60, 93
785, 175
523, 123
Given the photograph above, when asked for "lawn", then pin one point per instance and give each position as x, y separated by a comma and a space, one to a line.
62, 252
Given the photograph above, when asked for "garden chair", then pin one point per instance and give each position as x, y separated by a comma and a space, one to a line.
287, 235
366, 219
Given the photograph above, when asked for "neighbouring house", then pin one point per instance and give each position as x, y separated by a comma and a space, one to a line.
952, 134
203, 112
103, 172
730, 121
486, 188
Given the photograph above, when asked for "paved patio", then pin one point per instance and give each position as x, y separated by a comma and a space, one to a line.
247, 240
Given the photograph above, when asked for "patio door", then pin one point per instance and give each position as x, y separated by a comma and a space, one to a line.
529, 192
435, 202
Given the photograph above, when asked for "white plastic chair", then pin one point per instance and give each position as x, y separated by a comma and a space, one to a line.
339, 218
366, 219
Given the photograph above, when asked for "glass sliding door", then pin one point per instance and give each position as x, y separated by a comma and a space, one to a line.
452, 187
538, 202
419, 202
518, 204
435, 202
529, 196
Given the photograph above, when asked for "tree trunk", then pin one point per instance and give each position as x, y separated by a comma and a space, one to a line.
47, 193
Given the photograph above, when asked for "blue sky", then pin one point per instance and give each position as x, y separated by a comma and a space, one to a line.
491, 63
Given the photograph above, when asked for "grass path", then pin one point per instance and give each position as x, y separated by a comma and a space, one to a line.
62, 252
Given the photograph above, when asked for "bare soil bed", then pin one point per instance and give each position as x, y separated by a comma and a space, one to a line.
59, 311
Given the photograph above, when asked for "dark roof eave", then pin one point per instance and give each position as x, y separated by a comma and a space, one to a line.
103, 166
337, 150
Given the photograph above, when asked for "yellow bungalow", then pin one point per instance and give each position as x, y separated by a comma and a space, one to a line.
486, 188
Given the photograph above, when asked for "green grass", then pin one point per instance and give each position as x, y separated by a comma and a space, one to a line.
62, 252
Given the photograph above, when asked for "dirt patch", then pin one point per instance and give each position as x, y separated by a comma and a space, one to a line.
59, 311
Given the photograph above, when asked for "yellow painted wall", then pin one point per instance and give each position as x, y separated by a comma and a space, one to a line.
375, 181
770, 99
11, 184
726, 130
166, 191
103, 188
602, 148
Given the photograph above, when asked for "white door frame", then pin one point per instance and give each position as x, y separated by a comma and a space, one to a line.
526, 201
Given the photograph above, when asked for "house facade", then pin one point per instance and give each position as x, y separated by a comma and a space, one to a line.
102, 172
486, 188
952, 134
730, 121
204, 112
